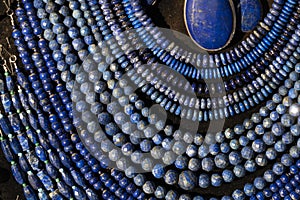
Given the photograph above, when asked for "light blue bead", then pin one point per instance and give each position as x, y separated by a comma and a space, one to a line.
227, 175
286, 160
207, 164
171, 177
258, 146
250, 166
238, 195
204, 181
187, 180
235, 158
216, 180
221, 161
278, 168
259, 183
261, 160
279, 146
181, 162
239, 171
269, 176
249, 189
158, 171
203, 151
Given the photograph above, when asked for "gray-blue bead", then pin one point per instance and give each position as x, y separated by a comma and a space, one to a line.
187, 180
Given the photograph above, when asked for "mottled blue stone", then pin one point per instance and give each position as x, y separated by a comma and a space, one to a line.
46, 180
17, 174
210, 23
187, 180
34, 181
64, 189
250, 14
78, 178
29, 193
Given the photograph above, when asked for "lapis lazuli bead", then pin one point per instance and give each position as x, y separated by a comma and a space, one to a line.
210, 23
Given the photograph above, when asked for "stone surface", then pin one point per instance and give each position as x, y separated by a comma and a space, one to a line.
250, 14
210, 23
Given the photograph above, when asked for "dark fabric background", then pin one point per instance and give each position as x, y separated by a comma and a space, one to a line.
167, 14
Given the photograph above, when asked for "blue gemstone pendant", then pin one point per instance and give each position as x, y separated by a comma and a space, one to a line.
251, 11
211, 24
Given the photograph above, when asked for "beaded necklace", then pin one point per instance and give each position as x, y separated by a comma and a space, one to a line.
72, 32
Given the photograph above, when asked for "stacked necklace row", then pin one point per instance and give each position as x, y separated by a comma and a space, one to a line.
52, 42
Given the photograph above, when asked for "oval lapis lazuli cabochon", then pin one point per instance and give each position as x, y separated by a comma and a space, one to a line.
210, 23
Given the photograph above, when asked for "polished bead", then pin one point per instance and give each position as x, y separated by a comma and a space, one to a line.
187, 180
199, 13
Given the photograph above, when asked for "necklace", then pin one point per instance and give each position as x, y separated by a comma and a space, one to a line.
102, 57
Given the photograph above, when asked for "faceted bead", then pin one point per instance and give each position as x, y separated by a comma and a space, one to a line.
171, 177
216, 180
221, 161
187, 180
204, 181
227, 176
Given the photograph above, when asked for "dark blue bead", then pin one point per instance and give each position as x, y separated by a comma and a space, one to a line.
15, 146
40, 153
78, 178
5, 125
29, 193
17, 174
54, 160
64, 189
23, 163
34, 181
67, 178
66, 161
78, 193
51, 170
46, 180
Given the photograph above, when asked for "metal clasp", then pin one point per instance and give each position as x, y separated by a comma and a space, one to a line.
9, 12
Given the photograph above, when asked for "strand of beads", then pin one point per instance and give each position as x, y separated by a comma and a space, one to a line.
83, 151
41, 154
85, 91
139, 19
110, 29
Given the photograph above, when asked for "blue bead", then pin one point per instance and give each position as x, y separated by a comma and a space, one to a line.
171, 177
259, 183
17, 174
78, 193
158, 171
216, 180
187, 180
207, 164
204, 181
238, 195
33, 180
227, 176
249, 189
234, 158
29, 193
278, 168
221, 161
64, 189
